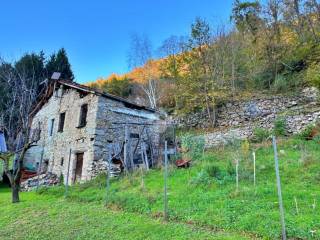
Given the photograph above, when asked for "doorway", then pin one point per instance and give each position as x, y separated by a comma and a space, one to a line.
79, 165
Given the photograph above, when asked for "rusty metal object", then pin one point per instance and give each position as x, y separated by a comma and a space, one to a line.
182, 163
27, 174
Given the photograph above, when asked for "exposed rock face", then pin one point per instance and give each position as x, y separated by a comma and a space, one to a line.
239, 118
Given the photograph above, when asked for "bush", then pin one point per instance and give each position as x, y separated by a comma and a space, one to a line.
245, 148
260, 135
306, 133
202, 178
214, 171
316, 139
221, 175
280, 127
313, 75
231, 169
280, 83
194, 146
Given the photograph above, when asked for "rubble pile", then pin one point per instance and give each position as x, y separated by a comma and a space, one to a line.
46, 179
238, 119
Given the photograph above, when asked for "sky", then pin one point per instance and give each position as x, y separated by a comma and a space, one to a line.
97, 33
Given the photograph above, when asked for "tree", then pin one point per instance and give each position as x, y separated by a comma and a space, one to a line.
22, 85
31, 68
117, 86
140, 55
293, 16
312, 18
274, 47
246, 16
171, 50
201, 64
60, 63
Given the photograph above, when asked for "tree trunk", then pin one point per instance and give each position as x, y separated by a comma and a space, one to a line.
15, 193
208, 107
214, 116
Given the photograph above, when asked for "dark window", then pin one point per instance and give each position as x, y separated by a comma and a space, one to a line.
62, 160
51, 125
83, 115
61, 121
134, 135
83, 94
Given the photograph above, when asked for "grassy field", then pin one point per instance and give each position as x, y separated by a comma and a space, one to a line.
201, 197
50, 217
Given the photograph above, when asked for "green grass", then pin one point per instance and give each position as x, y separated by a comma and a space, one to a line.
204, 196
50, 217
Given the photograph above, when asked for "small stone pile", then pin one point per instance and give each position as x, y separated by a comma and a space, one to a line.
46, 179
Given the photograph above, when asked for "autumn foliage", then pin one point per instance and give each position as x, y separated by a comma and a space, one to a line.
270, 47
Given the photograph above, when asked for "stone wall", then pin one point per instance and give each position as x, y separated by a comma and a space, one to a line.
239, 118
56, 148
92, 139
112, 118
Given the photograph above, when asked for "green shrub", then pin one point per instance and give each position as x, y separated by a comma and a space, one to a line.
280, 127
245, 148
194, 145
305, 134
221, 176
312, 75
214, 171
260, 135
231, 169
316, 139
202, 178
280, 83
287, 81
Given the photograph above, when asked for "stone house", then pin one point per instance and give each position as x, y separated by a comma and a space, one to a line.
80, 128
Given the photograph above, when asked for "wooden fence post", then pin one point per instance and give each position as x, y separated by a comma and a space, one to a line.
283, 226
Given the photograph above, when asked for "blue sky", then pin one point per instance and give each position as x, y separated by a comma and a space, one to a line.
96, 33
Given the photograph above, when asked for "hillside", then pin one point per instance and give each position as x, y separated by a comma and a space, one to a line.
50, 217
216, 97
270, 47
204, 195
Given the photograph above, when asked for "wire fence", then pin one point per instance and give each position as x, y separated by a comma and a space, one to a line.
188, 194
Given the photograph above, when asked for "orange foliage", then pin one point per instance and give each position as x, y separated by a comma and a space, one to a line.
151, 70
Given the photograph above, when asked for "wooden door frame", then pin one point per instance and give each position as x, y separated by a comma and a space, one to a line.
76, 153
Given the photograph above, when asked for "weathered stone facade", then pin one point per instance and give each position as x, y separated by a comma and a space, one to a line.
91, 140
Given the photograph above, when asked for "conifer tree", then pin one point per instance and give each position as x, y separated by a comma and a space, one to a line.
60, 63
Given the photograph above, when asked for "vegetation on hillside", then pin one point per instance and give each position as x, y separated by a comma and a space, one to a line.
269, 46
206, 194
